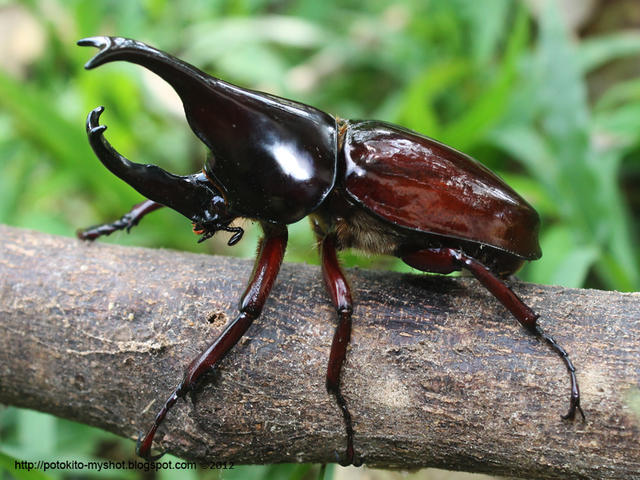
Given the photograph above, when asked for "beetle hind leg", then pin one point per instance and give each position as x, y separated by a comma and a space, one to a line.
340, 293
447, 260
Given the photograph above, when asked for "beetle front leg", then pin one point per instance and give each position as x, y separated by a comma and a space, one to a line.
126, 222
340, 292
265, 270
447, 260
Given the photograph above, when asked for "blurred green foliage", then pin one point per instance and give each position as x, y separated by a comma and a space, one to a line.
488, 78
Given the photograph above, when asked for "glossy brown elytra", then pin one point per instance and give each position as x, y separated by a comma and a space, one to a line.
367, 185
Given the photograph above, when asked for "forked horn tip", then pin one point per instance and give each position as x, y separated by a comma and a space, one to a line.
101, 42
93, 120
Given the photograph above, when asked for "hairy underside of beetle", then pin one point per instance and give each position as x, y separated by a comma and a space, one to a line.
362, 232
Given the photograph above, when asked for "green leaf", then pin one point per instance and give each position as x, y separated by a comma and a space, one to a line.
487, 19
533, 192
36, 432
242, 472
611, 224
20, 469
615, 275
489, 108
564, 262
176, 474
210, 40
594, 52
530, 148
621, 125
248, 62
573, 269
562, 89
44, 125
418, 111
329, 473
619, 94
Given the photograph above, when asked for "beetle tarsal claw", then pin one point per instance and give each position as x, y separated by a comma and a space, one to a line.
147, 456
571, 414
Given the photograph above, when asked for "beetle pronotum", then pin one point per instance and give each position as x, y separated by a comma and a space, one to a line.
367, 185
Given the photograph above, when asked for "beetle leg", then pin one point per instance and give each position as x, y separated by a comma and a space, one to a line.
265, 270
126, 222
340, 292
447, 260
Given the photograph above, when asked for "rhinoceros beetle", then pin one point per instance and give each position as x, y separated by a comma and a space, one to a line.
366, 185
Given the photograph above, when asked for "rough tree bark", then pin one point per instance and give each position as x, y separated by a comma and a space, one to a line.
438, 373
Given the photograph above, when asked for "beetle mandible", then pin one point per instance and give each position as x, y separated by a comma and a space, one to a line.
367, 185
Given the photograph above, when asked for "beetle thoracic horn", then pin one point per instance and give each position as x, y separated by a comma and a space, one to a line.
180, 75
195, 88
185, 194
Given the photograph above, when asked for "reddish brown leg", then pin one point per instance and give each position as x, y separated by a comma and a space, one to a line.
447, 260
338, 288
126, 222
264, 274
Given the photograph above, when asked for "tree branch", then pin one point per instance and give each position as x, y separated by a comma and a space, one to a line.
438, 373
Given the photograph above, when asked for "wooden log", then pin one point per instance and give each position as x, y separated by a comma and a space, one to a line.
438, 373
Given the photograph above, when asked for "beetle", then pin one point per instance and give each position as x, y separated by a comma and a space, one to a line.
367, 185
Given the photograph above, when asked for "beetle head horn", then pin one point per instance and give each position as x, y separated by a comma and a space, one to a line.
192, 195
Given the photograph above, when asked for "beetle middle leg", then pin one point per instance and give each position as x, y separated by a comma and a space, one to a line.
126, 222
265, 271
340, 293
447, 260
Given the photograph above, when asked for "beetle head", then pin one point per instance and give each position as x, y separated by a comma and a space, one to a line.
214, 214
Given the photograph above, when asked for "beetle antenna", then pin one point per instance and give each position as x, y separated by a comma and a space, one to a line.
237, 231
